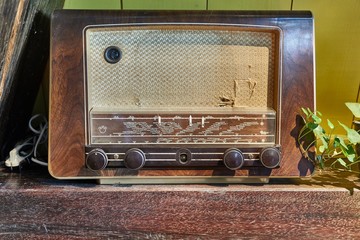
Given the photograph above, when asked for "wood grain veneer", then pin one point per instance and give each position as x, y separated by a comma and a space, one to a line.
33, 205
67, 116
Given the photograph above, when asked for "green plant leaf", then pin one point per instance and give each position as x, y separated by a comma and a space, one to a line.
316, 119
319, 113
336, 141
312, 125
354, 108
331, 126
320, 161
309, 111
305, 111
318, 130
320, 134
341, 142
349, 153
325, 145
351, 157
342, 162
352, 135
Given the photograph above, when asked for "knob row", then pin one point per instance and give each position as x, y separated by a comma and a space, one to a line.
135, 158
97, 159
269, 157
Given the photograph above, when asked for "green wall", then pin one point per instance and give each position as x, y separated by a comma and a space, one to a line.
180, 4
337, 31
92, 4
337, 24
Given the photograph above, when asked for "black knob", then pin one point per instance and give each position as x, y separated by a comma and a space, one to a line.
112, 54
270, 157
96, 159
233, 158
134, 159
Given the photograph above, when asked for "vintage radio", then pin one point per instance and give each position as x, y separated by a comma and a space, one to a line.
179, 96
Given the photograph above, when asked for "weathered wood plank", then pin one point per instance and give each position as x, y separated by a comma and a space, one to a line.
24, 49
325, 207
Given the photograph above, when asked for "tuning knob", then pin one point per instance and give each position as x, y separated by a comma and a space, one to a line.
233, 158
134, 159
270, 157
96, 159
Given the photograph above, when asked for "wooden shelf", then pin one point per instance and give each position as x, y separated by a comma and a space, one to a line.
32, 204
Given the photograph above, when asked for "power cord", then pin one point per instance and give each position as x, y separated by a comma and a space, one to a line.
28, 150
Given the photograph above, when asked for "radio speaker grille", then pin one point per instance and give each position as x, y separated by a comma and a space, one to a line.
180, 66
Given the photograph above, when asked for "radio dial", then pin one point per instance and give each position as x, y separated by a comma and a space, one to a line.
233, 159
96, 159
134, 159
270, 157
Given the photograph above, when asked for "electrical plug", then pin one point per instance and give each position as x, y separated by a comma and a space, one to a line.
14, 159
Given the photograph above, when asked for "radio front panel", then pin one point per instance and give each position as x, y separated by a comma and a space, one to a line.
172, 95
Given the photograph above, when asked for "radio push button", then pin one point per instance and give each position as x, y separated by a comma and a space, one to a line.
96, 159
270, 157
134, 159
233, 158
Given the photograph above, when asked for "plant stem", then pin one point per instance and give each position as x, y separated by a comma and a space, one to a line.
302, 130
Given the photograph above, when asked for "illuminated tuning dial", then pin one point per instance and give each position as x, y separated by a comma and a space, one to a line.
96, 159
270, 157
134, 159
233, 158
